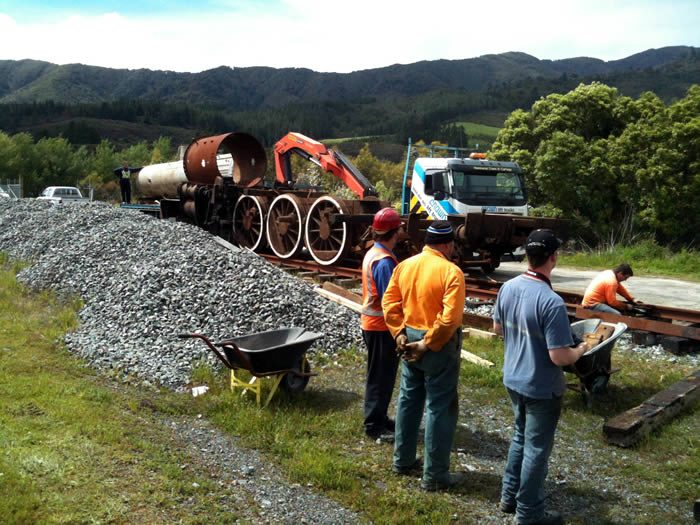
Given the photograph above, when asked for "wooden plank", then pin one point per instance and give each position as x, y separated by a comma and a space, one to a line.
473, 358
476, 321
342, 292
352, 305
628, 428
640, 323
479, 334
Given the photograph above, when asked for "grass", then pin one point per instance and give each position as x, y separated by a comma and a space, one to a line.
78, 449
645, 257
75, 449
480, 134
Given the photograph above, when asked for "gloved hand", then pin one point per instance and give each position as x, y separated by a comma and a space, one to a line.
414, 351
401, 341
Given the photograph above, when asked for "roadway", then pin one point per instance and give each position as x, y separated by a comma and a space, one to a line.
654, 290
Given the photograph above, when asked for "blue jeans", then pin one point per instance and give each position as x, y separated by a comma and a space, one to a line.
526, 469
602, 307
430, 383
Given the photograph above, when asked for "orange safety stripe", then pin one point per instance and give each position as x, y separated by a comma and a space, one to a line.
372, 316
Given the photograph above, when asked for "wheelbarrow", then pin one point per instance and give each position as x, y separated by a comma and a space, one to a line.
594, 368
276, 354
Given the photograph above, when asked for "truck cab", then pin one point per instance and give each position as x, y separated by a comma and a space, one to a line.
455, 186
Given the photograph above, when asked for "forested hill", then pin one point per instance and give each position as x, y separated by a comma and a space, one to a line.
254, 88
87, 104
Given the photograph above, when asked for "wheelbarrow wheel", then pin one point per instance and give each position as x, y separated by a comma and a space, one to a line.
293, 383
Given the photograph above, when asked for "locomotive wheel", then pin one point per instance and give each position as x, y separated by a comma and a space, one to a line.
248, 222
326, 242
284, 225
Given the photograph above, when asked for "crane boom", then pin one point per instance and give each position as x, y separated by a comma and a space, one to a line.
327, 159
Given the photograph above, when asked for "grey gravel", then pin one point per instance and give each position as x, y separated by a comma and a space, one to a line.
144, 280
245, 471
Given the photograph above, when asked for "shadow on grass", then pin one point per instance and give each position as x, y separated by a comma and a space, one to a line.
615, 399
482, 444
583, 505
319, 401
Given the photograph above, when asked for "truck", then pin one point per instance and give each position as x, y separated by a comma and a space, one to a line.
486, 201
62, 195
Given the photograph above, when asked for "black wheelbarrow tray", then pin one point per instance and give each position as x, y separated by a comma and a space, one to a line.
278, 354
594, 368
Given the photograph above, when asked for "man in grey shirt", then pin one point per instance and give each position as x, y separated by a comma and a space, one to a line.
533, 321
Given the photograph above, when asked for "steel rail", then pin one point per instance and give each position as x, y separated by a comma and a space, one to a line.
662, 320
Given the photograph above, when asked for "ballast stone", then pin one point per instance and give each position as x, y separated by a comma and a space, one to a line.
144, 280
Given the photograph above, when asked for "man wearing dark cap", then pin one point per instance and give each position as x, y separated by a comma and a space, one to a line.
423, 307
382, 359
537, 336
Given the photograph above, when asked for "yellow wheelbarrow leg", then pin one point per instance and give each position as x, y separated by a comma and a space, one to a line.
275, 386
253, 385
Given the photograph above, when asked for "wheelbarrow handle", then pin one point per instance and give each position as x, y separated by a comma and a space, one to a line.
241, 356
211, 346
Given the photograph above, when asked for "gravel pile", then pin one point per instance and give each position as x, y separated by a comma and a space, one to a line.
144, 280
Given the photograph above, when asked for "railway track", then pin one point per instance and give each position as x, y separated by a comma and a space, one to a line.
654, 319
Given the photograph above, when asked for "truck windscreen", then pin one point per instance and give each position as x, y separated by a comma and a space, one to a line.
490, 188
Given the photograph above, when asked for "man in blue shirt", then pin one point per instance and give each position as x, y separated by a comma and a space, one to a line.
382, 359
533, 321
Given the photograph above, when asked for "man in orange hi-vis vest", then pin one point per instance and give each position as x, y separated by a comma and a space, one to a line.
382, 359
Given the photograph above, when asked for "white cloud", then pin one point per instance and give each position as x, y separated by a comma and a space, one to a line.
333, 36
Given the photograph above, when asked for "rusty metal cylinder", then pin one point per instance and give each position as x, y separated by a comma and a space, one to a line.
236, 155
161, 180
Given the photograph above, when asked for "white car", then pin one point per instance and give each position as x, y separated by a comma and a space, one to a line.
62, 194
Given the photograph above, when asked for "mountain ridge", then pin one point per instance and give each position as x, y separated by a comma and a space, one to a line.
259, 87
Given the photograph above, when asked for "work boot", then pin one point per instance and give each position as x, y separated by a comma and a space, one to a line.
381, 437
507, 508
453, 479
550, 518
414, 468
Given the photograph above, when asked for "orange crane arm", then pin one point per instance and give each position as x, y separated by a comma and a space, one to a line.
327, 159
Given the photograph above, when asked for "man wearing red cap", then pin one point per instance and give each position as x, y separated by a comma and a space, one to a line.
382, 359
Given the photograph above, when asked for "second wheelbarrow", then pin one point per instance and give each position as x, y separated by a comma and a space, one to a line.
277, 354
594, 368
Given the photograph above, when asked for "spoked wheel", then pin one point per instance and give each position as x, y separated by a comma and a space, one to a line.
248, 222
284, 225
294, 384
326, 241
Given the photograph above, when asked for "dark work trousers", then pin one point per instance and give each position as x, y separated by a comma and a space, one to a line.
382, 364
125, 186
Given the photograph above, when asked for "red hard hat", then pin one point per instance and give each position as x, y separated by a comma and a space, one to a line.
385, 220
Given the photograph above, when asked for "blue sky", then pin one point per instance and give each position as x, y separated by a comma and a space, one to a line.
329, 35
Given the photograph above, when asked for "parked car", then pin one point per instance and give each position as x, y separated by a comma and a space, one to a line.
62, 195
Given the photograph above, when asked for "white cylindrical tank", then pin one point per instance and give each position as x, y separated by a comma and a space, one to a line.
161, 180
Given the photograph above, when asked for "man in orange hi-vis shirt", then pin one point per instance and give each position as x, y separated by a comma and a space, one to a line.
601, 294
423, 307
